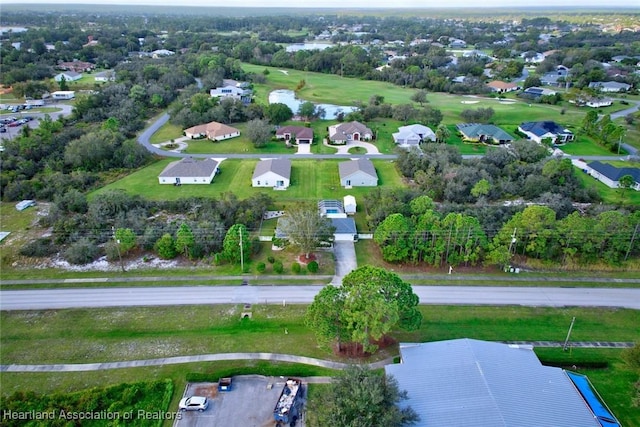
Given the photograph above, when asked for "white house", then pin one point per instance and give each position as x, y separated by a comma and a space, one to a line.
358, 173
214, 131
233, 90
537, 131
189, 171
610, 175
413, 135
610, 86
598, 102
63, 94
68, 76
105, 76
274, 173
349, 203
344, 229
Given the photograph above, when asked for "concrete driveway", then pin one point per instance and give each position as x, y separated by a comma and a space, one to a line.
345, 255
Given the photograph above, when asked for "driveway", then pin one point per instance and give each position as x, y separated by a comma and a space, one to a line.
344, 149
345, 255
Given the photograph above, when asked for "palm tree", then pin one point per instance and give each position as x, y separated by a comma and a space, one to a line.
442, 133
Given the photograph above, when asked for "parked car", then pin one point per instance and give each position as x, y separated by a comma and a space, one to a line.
194, 403
14, 124
3, 129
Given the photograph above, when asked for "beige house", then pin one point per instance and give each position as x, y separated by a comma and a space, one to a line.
214, 131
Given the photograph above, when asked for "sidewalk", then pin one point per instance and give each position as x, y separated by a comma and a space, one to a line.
83, 367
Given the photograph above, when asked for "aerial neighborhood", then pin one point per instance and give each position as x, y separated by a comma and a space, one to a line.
281, 217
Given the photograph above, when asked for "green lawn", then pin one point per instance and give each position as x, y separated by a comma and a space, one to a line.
610, 195
585, 146
310, 180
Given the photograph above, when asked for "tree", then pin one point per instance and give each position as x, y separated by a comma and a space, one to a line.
126, 239
393, 235
307, 110
305, 228
420, 97
278, 113
165, 247
63, 83
442, 133
185, 240
259, 132
361, 397
481, 188
625, 183
404, 112
237, 237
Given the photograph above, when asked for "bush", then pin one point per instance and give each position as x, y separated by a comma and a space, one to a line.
261, 267
81, 252
313, 267
271, 259
39, 248
295, 268
278, 267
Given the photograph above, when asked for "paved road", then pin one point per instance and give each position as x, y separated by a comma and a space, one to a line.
40, 299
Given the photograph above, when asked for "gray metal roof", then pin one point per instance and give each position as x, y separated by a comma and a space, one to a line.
280, 167
190, 168
471, 383
347, 169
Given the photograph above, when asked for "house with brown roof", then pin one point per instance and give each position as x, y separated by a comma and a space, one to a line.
502, 87
189, 171
351, 131
76, 66
214, 131
299, 134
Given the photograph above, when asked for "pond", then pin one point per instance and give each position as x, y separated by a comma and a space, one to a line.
307, 46
288, 97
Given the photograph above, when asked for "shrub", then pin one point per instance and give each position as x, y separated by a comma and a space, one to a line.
261, 267
312, 267
295, 268
81, 252
278, 267
271, 259
39, 248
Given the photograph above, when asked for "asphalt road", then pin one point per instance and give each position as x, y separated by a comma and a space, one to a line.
41, 299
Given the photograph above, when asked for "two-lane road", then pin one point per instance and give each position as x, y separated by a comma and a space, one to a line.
40, 299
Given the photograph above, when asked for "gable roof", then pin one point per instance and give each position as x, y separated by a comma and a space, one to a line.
71, 74
339, 132
212, 129
344, 225
542, 128
300, 132
614, 173
475, 130
189, 167
472, 383
350, 167
280, 167
610, 85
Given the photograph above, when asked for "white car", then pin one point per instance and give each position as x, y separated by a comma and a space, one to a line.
194, 403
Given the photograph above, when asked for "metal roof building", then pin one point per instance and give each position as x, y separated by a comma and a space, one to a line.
472, 383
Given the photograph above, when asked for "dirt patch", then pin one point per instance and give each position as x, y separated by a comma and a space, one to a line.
355, 349
303, 259
205, 389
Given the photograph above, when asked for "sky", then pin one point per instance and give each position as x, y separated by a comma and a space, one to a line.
352, 4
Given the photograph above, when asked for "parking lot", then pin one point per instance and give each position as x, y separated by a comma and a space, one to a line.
250, 403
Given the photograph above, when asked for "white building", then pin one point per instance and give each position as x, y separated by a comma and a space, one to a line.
189, 171
63, 94
413, 135
349, 203
275, 173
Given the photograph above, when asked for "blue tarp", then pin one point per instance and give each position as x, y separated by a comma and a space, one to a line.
602, 413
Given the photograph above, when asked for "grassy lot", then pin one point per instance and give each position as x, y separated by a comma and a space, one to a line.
88, 335
310, 180
585, 146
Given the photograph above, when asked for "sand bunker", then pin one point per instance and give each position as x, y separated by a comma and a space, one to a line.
469, 102
285, 72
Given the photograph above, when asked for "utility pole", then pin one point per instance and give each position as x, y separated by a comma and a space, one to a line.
241, 252
513, 241
566, 341
113, 230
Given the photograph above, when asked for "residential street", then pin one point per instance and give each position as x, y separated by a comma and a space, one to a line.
42, 299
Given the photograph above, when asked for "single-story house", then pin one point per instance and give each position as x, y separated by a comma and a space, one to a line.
214, 131
349, 203
610, 175
63, 94
457, 44
105, 76
20, 206
536, 92
237, 91
480, 132
358, 173
274, 173
502, 87
594, 102
68, 76
610, 86
413, 135
159, 53
351, 131
189, 171
345, 229
537, 131
472, 383
299, 134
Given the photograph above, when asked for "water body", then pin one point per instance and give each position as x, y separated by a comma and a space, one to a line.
307, 46
288, 97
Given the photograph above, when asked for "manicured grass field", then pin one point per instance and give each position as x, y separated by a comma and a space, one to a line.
610, 195
310, 180
90, 335
585, 146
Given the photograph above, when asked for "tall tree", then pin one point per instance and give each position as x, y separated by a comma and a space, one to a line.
278, 113
361, 397
420, 97
237, 244
185, 240
259, 132
442, 133
304, 227
126, 239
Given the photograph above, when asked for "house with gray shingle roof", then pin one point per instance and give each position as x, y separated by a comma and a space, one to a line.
358, 173
351, 131
480, 132
299, 134
610, 86
275, 173
473, 383
68, 76
189, 171
610, 175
